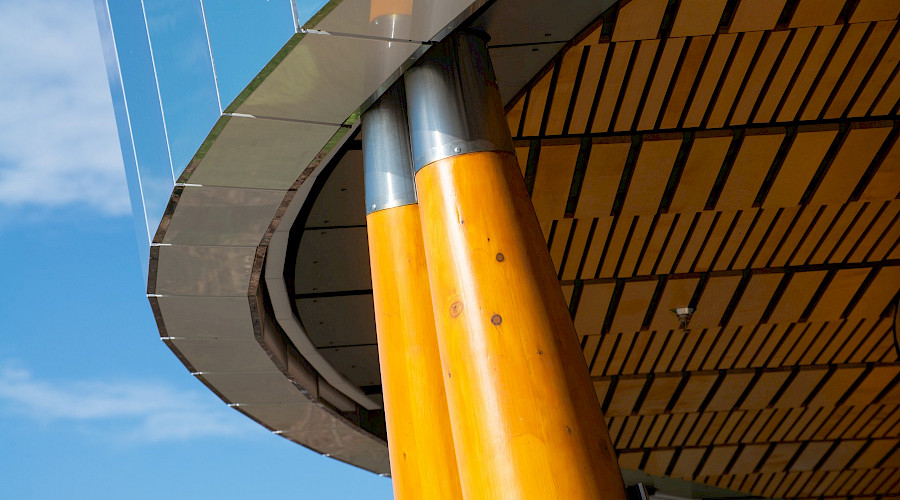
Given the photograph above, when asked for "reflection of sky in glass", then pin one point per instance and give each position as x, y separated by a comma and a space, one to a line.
244, 36
172, 66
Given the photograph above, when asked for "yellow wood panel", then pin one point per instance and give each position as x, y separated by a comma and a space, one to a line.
677, 293
790, 340
822, 335
640, 233
591, 343
801, 223
653, 350
876, 232
797, 296
877, 81
793, 415
710, 80
537, 99
601, 179
695, 243
522, 158
753, 86
873, 454
601, 387
687, 462
872, 385
670, 252
660, 86
673, 341
579, 240
838, 294
765, 351
810, 418
562, 94
592, 308
766, 387
815, 234
832, 74
708, 337
731, 388
691, 337
803, 159
875, 10
784, 74
715, 241
658, 423
888, 100
881, 249
734, 418
753, 15
883, 287
833, 237
885, 184
836, 386
754, 239
612, 86
590, 80
733, 243
655, 246
514, 116
561, 236
780, 456
637, 440
750, 167
638, 348
675, 421
855, 233
776, 234
699, 174
595, 251
715, 299
631, 460
748, 459
864, 353
552, 182
616, 246
694, 393
639, 20
801, 387
805, 78
816, 12
693, 437
633, 306
614, 366
861, 64
755, 298
625, 396
637, 80
628, 428
660, 393
687, 74
658, 462
697, 17
732, 83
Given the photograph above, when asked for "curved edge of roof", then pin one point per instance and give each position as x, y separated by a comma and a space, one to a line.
223, 220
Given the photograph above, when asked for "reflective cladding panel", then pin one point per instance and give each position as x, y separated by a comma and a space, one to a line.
124, 129
184, 73
142, 113
244, 36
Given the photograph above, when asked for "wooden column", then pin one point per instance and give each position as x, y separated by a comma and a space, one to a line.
525, 417
423, 462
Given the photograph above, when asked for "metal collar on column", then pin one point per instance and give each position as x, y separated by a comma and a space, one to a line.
454, 104
386, 156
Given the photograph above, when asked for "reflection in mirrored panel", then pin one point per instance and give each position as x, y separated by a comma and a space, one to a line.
244, 35
184, 74
143, 113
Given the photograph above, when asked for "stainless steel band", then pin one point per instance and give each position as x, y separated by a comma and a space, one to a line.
454, 106
386, 153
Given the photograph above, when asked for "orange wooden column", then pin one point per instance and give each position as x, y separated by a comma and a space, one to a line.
525, 417
423, 462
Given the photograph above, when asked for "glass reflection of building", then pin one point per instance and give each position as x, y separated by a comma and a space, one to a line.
173, 67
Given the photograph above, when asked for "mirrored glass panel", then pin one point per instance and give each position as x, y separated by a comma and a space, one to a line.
184, 73
244, 36
155, 174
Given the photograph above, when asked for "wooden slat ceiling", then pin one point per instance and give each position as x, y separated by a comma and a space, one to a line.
739, 157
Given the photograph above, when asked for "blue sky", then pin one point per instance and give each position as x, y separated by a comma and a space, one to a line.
92, 404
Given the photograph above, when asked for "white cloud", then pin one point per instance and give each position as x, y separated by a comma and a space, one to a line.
137, 411
58, 141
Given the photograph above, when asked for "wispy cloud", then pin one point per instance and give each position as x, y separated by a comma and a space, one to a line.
58, 142
139, 412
